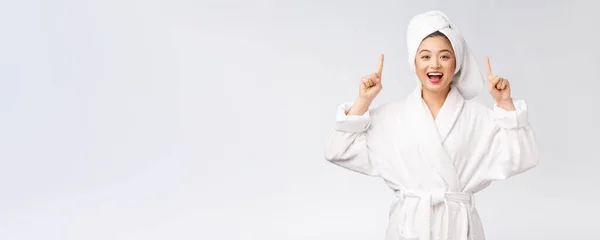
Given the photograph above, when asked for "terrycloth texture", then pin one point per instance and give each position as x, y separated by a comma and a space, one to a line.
434, 166
467, 79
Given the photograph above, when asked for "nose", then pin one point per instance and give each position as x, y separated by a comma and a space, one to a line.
435, 64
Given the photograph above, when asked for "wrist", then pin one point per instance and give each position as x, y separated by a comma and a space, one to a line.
363, 101
359, 107
506, 104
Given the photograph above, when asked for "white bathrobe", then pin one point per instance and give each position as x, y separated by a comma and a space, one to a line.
434, 166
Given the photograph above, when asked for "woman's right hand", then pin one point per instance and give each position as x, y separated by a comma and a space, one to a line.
370, 85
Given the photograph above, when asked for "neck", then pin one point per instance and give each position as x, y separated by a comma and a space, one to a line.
434, 100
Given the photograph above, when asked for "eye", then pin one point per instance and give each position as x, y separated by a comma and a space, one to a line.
446, 57
425, 57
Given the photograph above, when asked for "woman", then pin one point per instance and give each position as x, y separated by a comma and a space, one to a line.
437, 147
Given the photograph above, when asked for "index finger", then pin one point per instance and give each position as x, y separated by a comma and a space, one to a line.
380, 65
488, 67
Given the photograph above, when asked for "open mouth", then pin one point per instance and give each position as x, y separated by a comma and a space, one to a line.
435, 77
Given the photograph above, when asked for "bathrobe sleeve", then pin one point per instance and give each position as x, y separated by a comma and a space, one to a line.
347, 142
511, 145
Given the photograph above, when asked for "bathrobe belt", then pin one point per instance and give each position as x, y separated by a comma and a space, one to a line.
428, 200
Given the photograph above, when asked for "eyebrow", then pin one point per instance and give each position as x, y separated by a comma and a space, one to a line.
443, 50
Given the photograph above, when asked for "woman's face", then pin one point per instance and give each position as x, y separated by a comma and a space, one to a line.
435, 64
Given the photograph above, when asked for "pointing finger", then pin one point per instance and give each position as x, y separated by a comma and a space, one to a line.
380, 69
488, 68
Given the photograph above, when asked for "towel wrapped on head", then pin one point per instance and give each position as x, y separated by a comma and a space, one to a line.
467, 79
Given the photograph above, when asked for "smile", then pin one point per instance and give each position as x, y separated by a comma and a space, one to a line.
435, 77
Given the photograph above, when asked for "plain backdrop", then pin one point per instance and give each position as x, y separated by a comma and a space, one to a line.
184, 119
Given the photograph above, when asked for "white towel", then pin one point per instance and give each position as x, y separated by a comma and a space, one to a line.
467, 79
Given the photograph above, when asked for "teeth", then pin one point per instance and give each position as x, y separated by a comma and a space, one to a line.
434, 74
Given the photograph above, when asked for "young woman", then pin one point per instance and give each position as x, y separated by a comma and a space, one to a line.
436, 148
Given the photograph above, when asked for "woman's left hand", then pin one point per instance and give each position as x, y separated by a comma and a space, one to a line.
499, 88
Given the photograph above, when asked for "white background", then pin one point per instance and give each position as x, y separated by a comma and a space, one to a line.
184, 119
